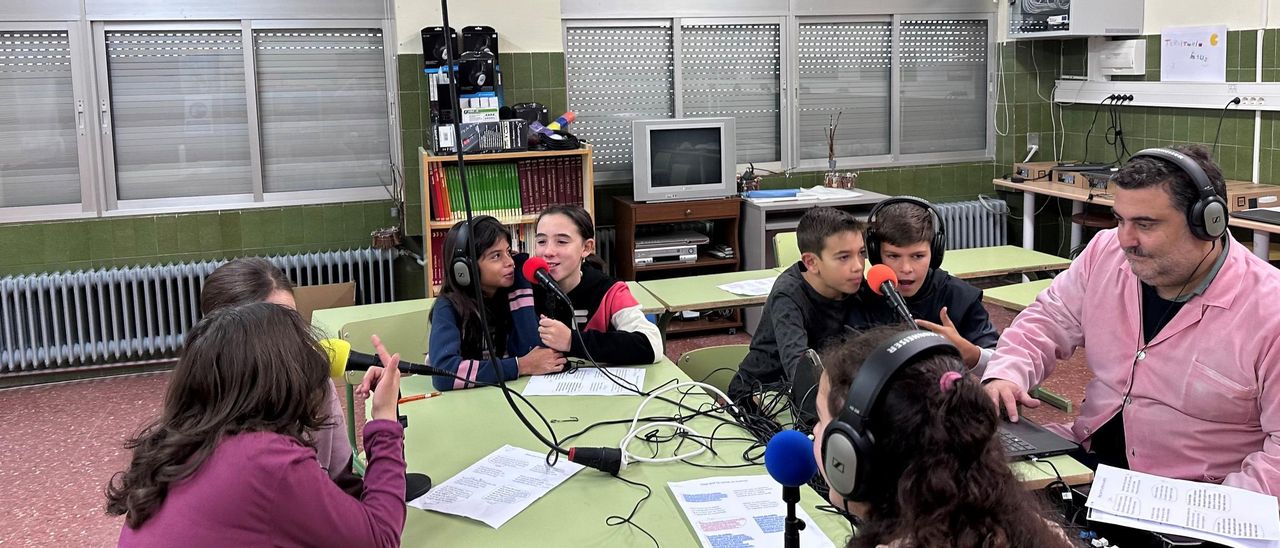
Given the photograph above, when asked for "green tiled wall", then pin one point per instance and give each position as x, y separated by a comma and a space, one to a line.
157, 239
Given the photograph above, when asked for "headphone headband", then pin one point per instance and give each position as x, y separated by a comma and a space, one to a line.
875, 373
937, 245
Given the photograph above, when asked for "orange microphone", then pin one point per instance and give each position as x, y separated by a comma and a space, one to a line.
884, 282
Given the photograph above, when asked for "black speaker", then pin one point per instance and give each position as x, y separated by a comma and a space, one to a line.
433, 46
480, 39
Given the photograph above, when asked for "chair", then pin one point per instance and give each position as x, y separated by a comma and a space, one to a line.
785, 249
406, 334
713, 365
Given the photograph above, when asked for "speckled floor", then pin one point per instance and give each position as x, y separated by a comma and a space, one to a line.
60, 444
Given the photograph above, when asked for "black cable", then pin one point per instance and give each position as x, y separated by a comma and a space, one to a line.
486, 337
1096, 110
616, 520
1221, 115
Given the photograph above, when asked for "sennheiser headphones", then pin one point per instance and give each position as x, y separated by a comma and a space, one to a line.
1208, 216
936, 247
847, 444
461, 263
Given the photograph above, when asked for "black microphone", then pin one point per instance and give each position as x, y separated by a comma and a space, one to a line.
885, 283
535, 270
343, 359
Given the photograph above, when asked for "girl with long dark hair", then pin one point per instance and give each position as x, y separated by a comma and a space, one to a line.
231, 462
457, 341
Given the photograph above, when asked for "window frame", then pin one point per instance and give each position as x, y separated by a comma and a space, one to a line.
95, 130
790, 20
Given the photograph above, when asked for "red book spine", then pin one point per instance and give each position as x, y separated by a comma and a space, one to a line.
437, 256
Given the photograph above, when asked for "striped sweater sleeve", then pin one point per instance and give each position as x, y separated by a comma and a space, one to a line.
445, 350
618, 333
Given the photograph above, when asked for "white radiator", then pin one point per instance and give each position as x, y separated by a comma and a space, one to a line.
975, 223
126, 314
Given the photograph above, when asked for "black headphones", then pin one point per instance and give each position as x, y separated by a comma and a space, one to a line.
936, 247
847, 445
1208, 216
462, 266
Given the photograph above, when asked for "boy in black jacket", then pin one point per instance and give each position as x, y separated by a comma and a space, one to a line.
905, 234
807, 305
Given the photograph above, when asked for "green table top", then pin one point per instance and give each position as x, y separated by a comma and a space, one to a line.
330, 320
701, 292
1017, 296
446, 434
981, 262
648, 303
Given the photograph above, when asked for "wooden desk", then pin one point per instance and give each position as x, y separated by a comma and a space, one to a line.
702, 293
1015, 297
1079, 197
981, 262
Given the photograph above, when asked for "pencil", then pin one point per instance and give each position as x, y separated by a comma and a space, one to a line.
417, 397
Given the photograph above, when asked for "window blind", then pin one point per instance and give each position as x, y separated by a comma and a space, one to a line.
944, 85
617, 75
39, 159
179, 111
733, 70
322, 107
844, 70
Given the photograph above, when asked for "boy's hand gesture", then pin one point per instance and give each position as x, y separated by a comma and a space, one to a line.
968, 351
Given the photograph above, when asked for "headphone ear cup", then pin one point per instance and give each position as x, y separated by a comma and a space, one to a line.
938, 249
1209, 218
873, 246
843, 460
462, 272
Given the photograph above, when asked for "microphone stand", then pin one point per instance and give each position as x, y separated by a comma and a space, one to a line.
793, 524
415, 484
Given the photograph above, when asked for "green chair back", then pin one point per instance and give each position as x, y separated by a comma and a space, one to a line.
714, 365
785, 249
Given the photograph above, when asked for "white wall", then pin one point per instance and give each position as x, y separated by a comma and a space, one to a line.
522, 25
1236, 14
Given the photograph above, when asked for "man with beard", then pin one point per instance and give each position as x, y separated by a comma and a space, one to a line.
1180, 331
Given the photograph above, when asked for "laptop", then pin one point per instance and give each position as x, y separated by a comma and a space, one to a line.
1269, 216
1025, 439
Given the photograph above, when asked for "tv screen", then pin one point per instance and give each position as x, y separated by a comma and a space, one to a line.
685, 156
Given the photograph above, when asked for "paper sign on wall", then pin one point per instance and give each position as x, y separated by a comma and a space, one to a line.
1193, 54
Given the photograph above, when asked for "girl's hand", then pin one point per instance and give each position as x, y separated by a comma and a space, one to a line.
555, 334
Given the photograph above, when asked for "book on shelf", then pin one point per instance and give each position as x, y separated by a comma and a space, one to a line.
505, 190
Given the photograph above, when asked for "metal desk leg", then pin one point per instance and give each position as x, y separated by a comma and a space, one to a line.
1028, 220
1077, 231
1262, 244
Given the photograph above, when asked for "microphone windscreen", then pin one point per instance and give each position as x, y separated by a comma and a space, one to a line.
878, 275
789, 458
339, 351
532, 265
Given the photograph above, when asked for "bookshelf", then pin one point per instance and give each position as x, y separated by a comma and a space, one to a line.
511, 186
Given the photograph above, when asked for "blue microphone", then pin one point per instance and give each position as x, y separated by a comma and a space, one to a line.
789, 459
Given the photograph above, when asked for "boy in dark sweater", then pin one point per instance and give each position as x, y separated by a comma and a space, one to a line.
905, 234
807, 305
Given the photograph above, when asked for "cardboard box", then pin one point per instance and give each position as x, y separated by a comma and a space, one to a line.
1034, 171
319, 297
1242, 195
1083, 179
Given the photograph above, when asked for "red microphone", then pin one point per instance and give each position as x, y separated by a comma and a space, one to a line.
884, 282
536, 271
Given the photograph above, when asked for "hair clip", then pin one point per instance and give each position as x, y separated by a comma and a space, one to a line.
948, 379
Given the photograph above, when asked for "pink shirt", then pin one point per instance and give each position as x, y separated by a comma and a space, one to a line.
1200, 407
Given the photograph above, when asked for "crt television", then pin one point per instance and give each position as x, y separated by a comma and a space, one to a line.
683, 159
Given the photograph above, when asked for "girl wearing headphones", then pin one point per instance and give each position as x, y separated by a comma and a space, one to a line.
921, 465
608, 318
456, 338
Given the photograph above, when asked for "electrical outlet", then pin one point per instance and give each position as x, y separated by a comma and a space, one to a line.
1033, 140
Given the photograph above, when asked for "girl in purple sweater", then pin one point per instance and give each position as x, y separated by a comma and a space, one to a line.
230, 461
